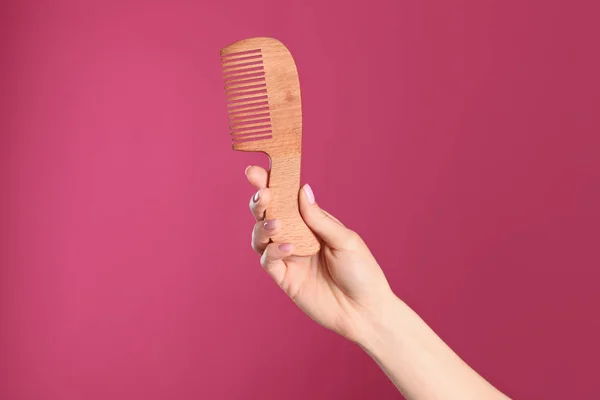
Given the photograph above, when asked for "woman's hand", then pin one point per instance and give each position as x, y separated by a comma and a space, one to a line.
342, 287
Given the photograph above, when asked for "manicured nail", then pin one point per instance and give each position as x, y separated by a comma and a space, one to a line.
286, 247
246, 170
309, 194
271, 224
256, 197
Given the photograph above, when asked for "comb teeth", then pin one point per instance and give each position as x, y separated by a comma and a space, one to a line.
247, 98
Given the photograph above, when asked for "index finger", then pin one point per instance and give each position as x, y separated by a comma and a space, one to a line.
257, 176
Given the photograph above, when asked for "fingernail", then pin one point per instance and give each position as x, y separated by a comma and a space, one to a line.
246, 170
286, 247
271, 224
256, 197
309, 194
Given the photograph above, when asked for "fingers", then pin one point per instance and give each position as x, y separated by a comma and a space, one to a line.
262, 233
259, 202
272, 253
272, 260
328, 228
257, 176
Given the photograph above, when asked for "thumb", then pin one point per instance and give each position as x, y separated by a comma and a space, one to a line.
329, 229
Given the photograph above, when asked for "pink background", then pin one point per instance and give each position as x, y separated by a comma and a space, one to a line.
459, 138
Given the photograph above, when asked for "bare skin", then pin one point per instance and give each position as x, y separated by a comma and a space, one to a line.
343, 288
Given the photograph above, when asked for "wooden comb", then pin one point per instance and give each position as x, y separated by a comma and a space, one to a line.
265, 115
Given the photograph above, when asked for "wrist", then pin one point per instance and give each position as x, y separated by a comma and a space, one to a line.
382, 322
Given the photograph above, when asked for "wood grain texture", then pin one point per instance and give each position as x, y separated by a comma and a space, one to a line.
265, 114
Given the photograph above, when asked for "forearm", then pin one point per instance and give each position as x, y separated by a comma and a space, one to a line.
417, 361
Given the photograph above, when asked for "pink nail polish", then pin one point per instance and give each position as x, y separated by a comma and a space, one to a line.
309, 194
256, 197
270, 224
286, 247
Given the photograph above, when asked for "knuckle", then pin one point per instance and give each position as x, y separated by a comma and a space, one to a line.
264, 262
352, 241
255, 242
259, 213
